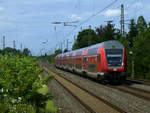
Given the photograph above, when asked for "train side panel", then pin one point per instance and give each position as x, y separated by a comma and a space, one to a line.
104, 61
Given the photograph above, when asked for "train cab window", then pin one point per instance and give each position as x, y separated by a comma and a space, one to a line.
114, 57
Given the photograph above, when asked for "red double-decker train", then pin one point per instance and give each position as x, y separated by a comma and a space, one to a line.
104, 61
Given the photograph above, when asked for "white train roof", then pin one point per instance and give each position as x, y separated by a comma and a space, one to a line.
111, 44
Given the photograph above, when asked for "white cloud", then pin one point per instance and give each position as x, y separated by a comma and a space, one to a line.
112, 12
138, 4
74, 17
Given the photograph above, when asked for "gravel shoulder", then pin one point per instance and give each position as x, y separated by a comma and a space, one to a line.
127, 102
144, 87
64, 100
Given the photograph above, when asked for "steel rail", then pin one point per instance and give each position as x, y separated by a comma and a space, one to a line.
117, 109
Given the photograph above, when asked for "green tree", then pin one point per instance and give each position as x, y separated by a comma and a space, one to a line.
26, 52
99, 31
149, 25
86, 38
10, 51
58, 51
141, 54
141, 24
108, 33
66, 50
51, 57
15, 52
132, 32
132, 29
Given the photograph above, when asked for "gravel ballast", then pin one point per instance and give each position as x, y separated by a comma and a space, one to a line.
127, 102
65, 101
144, 87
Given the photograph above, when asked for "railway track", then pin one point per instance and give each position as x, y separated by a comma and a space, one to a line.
144, 82
140, 93
89, 100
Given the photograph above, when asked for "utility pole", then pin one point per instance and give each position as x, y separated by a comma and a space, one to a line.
4, 42
67, 43
122, 20
90, 26
81, 28
14, 44
21, 46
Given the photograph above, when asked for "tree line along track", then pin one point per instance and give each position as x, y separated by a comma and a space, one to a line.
90, 101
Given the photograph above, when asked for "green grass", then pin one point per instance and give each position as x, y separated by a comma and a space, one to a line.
44, 90
48, 77
50, 107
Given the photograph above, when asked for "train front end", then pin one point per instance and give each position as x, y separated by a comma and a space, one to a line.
115, 61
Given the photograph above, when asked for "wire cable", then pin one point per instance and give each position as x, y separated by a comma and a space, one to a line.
109, 5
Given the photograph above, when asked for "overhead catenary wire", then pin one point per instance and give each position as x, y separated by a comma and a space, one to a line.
115, 19
93, 15
98, 12
78, 5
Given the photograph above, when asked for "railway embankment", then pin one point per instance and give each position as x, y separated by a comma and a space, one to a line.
125, 101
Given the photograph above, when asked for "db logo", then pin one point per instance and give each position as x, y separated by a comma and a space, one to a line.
115, 69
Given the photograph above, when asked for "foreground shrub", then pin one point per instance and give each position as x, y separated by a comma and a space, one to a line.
47, 78
20, 82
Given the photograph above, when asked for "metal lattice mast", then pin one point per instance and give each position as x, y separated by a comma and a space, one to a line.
21, 46
122, 20
67, 43
14, 44
3, 42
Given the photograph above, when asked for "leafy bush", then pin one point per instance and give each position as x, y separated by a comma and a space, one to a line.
50, 107
20, 82
47, 78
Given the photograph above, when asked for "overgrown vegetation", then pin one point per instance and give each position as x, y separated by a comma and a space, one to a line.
141, 55
49, 58
86, 38
13, 52
22, 88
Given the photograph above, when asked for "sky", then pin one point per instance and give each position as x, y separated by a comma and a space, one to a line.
30, 22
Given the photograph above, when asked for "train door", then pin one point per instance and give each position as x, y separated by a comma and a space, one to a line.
99, 63
84, 63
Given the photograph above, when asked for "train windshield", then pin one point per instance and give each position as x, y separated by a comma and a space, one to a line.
114, 57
